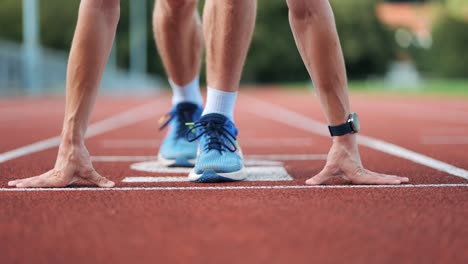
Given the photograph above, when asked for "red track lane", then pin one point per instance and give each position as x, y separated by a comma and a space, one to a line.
371, 225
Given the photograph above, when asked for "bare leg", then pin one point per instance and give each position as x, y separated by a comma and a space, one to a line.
314, 30
228, 27
178, 34
94, 35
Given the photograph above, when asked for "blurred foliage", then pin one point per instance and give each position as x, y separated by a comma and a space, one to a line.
273, 55
10, 20
448, 56
367, 44
458, 8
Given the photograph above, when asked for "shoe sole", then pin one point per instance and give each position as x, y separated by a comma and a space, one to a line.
210, 176
178, 162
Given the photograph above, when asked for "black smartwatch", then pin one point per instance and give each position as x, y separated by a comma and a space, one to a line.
351, 126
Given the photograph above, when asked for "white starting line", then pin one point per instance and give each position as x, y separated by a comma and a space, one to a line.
249, 158
260, 142
258, 167
227, 188
254, 173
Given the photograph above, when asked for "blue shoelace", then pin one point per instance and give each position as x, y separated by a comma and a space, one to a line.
183, 117
215, 132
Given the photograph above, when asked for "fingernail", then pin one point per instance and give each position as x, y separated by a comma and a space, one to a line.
11, 183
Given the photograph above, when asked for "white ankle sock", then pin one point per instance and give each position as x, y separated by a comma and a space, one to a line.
187, 93
220, 102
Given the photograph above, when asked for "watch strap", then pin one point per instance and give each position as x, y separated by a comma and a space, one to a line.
341, 130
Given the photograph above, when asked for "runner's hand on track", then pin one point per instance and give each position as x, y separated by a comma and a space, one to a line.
344, 161
73, 163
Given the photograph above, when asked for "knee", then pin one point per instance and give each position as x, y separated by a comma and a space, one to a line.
174, 7
306, 9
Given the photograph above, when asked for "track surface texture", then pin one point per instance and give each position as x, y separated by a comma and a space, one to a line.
155, 216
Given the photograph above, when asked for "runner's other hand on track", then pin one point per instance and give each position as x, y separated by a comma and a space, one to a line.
344, 161
73, 163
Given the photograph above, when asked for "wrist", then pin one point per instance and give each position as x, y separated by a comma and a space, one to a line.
348, 139
71, 138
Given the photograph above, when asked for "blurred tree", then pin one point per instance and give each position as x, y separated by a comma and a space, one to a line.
458, 8
273, 55
58, 20
368, 46
448, 56
11, 20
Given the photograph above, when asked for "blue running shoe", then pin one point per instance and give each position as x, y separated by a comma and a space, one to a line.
176, 150
219, 156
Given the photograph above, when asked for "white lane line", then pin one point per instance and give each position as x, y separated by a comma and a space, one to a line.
266, 173
226, 188
272, 157
444, 140
245, 142
123, 119
280, 114
157, 167
253, 174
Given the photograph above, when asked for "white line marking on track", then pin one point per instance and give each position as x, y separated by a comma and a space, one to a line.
445, 140
156, 167
280, 114
266, 173
227, 188
272, 157
123, 119
249, 142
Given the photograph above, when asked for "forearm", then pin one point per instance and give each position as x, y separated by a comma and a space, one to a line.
90, 50
317, 40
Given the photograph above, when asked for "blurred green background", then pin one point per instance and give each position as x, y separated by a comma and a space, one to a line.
379, 52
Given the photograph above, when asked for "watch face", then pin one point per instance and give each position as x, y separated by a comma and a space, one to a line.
354, 120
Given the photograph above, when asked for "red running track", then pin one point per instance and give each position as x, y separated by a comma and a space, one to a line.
243, 223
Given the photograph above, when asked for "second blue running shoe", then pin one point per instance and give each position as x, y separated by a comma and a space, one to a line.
176, 150
219, 156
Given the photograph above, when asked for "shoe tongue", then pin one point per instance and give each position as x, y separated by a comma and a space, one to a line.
186, 106
215, 118
221, 120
